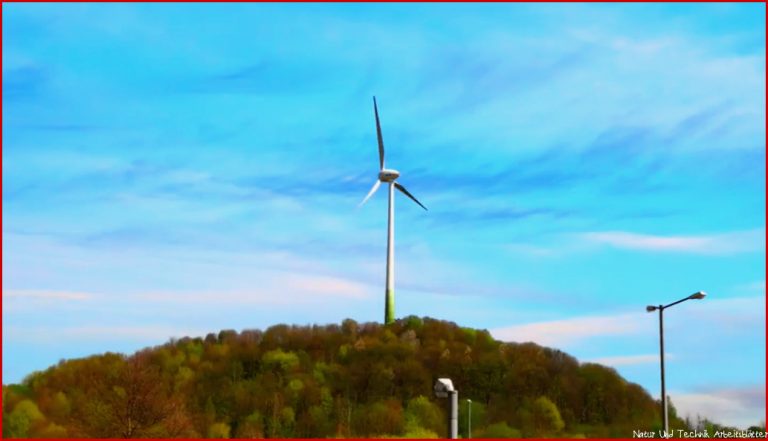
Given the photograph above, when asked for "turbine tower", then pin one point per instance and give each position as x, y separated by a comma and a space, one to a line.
389, 176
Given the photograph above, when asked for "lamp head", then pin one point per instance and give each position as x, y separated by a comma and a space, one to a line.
651, 308
698, 296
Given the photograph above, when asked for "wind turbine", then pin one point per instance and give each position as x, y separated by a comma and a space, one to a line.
388, 176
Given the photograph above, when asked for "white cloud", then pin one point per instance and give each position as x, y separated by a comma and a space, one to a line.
625, 360
325, 285
730, 315
150, 332
736, 406
103, 333
271, 288
561, 332
18, 300
45, 295
726, 243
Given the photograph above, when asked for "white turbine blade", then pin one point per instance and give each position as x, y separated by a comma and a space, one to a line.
405, 192
370, 193
378, 134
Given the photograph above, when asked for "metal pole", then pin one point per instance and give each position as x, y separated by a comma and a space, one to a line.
664, 416
389, 296
453, 424
469, 419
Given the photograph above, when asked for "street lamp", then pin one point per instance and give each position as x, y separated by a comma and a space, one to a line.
469, 418
695, 296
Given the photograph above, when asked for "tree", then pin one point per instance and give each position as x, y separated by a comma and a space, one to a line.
379, 418
279, 361
421, 413
21, 419
546, 417
499, 430
218, 430
251, 427
135, 404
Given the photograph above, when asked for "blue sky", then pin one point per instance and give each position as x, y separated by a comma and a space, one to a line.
177, 169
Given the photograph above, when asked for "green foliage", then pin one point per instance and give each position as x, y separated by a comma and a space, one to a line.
280, 361
499, 430
51, 430
296, 385
21, 390
379, 418
413, 322
419, 433
60, 406
28, 409
348, 380
21, 419
422, 415
546, 417
218, 430
252, 426
470, 335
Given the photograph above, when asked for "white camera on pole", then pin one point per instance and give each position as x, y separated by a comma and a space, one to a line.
444, 389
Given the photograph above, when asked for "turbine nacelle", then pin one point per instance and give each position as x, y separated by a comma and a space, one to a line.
388, 175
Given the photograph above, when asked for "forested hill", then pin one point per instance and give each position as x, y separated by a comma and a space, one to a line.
361, 380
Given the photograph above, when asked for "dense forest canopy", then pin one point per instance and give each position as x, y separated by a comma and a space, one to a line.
352, 380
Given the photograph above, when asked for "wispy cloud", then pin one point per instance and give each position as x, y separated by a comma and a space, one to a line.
561, 332
737, 315
267, 77
732, 316
325, 286
46, 295
742, 406
478, 77
469, 214
728, 243
149, 333
624, 360
32, 301
271, 288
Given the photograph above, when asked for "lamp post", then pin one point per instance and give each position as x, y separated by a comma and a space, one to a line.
469, 418
695, 296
